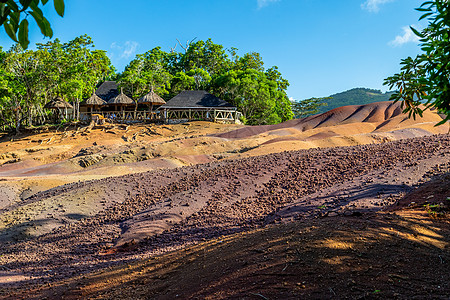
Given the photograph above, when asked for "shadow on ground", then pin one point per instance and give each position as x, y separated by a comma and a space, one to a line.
373, 256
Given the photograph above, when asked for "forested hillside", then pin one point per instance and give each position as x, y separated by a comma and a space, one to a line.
356, 96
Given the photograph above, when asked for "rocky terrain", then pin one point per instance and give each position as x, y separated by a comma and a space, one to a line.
154, 216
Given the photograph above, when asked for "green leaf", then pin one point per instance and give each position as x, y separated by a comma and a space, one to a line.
44, 2
39, 20
43, 24
4, 12
25, 3
34, 6
48, 28
12, 5
14, 18
416, 32
23, 34
59, 7
425, 15
10, 31
427, 3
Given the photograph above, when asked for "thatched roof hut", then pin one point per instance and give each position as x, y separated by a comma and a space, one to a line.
58, 103
121, 99
94, 100
151, 98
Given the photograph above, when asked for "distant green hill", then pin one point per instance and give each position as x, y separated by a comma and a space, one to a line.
357, 96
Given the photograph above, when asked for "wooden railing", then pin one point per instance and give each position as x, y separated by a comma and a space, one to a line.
216, 115
122, 116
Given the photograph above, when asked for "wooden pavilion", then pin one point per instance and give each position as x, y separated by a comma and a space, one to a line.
122, 107
199, 105
107, 90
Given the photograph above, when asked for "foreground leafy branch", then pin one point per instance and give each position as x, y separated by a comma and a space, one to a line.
14, 18
425, 79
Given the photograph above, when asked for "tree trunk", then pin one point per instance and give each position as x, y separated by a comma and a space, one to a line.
74, 110
30, 116
78, 109
17, 122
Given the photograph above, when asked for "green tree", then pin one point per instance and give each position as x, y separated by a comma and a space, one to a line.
23, 72
6, 109
181, 81
255, 95
308, 107
251, 60
73, 69
259, 94
84, 68
425, 79
243, 81
29, 79
146, 72
14, 18
204, 55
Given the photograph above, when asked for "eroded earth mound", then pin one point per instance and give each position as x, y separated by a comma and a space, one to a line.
225, 211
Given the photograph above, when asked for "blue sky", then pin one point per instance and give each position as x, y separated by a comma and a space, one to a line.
321, 46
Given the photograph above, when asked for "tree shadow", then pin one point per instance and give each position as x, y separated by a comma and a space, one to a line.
377, 258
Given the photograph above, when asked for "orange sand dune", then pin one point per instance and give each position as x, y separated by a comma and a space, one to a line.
386, 115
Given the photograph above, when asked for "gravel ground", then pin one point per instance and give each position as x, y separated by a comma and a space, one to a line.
150, 213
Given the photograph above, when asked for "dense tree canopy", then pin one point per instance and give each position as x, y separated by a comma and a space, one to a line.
72, 70
425, 79
243, 81
29, 79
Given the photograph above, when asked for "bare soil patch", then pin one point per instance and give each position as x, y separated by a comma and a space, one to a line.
190, 211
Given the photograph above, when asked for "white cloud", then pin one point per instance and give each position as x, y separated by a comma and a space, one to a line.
127, 50
130, 49
407, 37
263, 3
373, 5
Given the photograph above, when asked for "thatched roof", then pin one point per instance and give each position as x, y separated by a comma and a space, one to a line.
196, 100
152, 98
121, 99
107, 90
93, 100
58, 102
